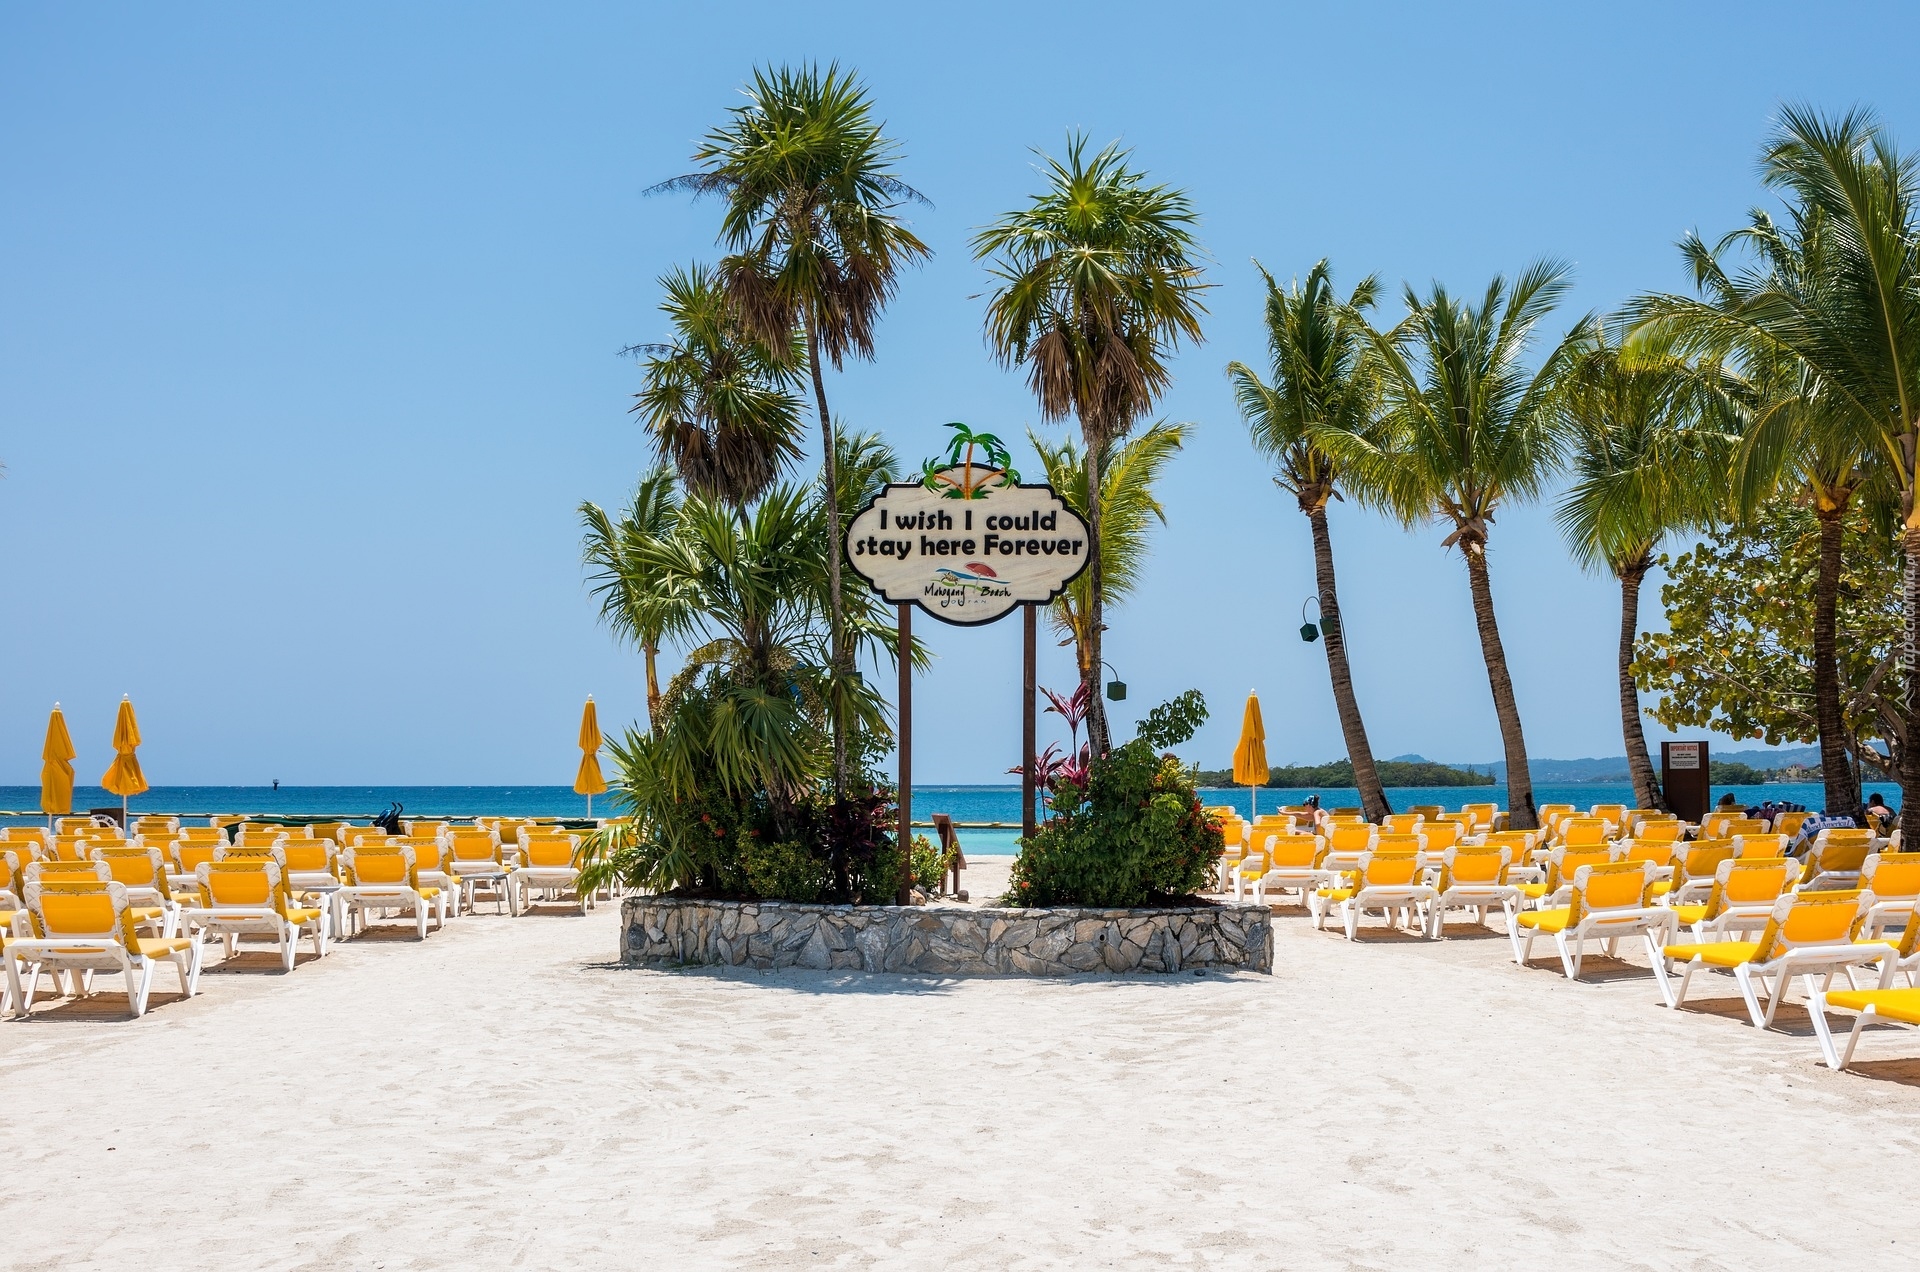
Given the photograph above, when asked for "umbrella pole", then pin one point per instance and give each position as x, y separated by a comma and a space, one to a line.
1253, 793
589, 803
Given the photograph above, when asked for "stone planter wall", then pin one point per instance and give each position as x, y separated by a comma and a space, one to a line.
945, 940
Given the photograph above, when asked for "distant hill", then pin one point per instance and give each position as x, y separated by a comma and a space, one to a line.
1614, 768
1339, 773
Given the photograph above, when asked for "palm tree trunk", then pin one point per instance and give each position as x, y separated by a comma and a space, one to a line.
1519, 780
1843, 791
830, 467
1646, 788
1910, 745
653, 689
1097, 734
1373, 799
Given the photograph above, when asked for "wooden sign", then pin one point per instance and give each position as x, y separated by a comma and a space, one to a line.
967, 547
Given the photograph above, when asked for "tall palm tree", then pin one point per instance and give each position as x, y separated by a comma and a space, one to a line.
1467, 430
1318, 352
639, 602
1796, 437
815, 244
1128, 509
1650, 437
1853, 325
1097, 282
721, 407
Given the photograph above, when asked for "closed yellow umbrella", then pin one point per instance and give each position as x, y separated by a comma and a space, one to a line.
1250, 757
124, 777
588, 780
56, 768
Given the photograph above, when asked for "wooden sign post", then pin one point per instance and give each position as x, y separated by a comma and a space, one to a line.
968, 544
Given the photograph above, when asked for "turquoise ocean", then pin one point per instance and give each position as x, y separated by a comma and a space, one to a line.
962, 803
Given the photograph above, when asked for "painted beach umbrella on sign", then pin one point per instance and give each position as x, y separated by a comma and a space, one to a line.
1250, 757
124, 777
588, 780
56, 768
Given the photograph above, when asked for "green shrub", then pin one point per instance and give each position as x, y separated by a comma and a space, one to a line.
784, 871
1135, 834
929, 864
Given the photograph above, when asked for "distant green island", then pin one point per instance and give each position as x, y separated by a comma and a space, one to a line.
1339, 773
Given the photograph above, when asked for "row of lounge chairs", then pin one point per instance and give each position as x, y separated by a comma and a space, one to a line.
1843, 906
81, 897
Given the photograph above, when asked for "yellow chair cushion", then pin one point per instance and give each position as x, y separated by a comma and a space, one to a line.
1716, 953
153, 947
1661, 888
298, 917
1690, 914
1335, 894
1545, 920
1533, 891
1894, 1004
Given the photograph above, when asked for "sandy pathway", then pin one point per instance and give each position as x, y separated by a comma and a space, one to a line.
504, 1097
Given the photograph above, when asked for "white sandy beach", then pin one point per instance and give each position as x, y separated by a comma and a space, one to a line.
508, 1096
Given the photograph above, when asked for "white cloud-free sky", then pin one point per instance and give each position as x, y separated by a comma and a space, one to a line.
309, 315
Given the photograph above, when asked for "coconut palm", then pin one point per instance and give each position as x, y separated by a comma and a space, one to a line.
1467, 430
640, 603
1650, 437
1317, 349
1852, 324
1096, 284
815, 245
1128, 509
722, 408
1796, 437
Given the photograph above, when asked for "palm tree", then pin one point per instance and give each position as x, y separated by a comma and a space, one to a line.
1651, 436
1318, 352
1795, 437
815, 245
722, 408
639, 602
1853, 326
1097, 284
1466, 430
1128, 509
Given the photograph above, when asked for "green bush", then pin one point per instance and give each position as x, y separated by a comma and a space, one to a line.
929, 864
785, 870
1135, 834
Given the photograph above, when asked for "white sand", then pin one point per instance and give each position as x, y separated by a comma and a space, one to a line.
505, 1096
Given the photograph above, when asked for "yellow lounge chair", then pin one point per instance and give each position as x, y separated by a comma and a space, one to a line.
85, 926
1482, 818
143, 873
247, 896
1401, 823
384, 879
1694, 867
1473, 878
1886, 1003
1438, 836
1293, 862
1385, 881
1760, 844
1835, 859
1741, 899
1605, 901
1562, 863
1808, 934
548, 863
1894, 880
1789, 824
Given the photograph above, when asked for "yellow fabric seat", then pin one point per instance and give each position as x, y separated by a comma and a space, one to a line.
1716, 953
1546, 920
1892, 1004
78, 925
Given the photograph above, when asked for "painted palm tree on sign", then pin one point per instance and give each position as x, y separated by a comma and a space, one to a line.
815, 244
1650, 438
1468, 430
638, 601
1096, 283
1318, 350
721, 408
1852, 324
1128, 510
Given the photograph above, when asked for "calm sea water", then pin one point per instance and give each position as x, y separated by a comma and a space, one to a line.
962, 803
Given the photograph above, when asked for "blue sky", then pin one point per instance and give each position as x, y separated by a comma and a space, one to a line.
308, 323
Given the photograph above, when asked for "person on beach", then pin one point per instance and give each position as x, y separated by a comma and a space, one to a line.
1879, 815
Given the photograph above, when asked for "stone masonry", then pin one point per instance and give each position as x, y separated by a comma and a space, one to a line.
944, 940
